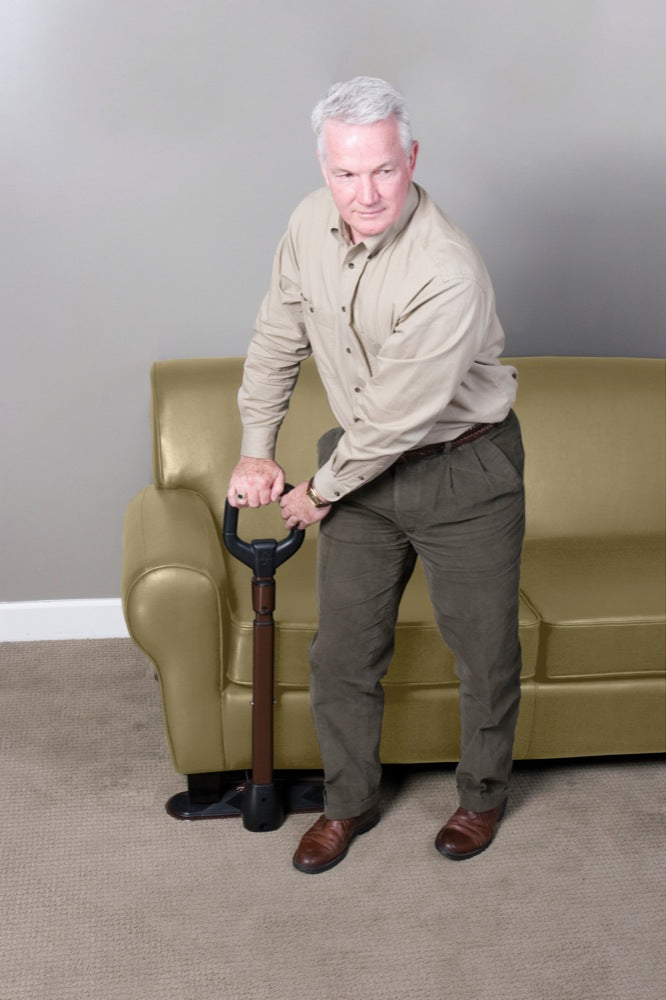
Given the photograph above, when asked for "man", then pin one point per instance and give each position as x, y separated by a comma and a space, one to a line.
397, 308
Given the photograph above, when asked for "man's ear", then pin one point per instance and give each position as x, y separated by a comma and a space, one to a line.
414, 152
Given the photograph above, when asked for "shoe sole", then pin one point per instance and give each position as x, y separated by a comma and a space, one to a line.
308, 870
479, 850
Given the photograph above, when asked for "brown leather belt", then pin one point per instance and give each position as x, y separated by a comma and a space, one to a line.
474, 432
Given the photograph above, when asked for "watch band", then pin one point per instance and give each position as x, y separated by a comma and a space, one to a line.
314, 497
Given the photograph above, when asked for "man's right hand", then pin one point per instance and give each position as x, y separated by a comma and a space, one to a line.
255, 482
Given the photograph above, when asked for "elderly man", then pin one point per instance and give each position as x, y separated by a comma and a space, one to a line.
396, 306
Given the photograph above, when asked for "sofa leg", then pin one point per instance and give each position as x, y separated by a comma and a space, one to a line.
219, 795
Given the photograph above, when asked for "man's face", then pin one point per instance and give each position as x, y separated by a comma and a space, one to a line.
368, 173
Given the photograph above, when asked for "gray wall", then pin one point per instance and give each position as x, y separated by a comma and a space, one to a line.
154, 148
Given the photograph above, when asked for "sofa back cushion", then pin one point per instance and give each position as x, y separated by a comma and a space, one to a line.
595, 444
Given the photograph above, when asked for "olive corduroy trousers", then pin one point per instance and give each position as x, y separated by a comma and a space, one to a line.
461, 512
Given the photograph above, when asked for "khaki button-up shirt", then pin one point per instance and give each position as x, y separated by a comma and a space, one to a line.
403, 330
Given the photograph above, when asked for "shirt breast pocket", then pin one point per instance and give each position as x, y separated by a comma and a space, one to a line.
316, 317
321, 327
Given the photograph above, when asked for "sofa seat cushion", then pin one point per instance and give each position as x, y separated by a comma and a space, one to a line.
421, 657
602, 603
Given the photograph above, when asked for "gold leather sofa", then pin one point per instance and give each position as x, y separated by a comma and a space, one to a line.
593, 605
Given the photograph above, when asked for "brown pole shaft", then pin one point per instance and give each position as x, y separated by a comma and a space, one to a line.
263, 603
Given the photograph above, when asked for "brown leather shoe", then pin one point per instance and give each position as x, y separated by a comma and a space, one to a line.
468, 833
326, 842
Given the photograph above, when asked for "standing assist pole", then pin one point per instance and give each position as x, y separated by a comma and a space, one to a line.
261, 799
262, 807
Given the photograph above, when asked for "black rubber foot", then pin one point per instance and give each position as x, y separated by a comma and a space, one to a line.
262, 809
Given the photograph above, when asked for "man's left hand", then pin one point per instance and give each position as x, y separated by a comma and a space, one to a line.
298, 511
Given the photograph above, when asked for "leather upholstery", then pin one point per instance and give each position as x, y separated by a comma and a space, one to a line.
593, 608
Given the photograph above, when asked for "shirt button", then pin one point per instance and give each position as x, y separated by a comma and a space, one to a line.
356, 389
350, 266
348, 350
344, 309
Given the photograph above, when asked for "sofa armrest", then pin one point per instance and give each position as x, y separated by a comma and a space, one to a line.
173, 585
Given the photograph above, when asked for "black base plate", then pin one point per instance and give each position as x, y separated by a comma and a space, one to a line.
297, 795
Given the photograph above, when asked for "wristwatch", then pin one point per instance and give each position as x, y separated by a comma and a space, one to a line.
314, 497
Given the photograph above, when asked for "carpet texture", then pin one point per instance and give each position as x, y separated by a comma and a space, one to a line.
105, 896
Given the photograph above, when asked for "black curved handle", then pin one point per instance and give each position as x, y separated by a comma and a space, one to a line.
262, 555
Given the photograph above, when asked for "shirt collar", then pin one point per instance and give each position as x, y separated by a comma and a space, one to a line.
374, 244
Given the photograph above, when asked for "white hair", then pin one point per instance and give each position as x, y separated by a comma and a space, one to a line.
362, 101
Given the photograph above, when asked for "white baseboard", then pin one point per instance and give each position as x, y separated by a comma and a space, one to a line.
31, 621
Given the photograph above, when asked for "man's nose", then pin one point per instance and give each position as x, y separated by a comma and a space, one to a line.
367, 191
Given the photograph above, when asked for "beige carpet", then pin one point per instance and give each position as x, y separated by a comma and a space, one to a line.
105, 896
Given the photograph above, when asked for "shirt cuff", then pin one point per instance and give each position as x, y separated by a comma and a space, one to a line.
257, 442
334, 487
